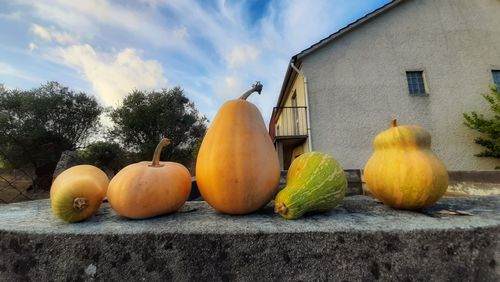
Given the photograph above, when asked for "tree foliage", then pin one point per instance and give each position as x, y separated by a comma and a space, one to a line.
489, 127
106, 155
146, 117
37, 125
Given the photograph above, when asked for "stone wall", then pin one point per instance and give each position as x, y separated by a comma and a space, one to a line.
362, 240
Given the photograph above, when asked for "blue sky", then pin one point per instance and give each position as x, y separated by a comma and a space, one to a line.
214, 50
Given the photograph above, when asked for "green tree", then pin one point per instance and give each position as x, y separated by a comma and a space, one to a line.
146, 117
37, 125
106, 155
489, 127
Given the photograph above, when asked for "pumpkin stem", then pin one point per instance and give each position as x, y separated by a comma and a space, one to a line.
156, 156
280, 208
80, 204
257, 87
394, 123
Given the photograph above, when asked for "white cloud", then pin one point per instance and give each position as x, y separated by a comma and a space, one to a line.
211, 46
62, 17
242, 55
32, 46
41, 32
228, 87
113, 76
52, 35
63, 38
88, 18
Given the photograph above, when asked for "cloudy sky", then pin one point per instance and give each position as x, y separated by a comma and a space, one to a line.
214, 49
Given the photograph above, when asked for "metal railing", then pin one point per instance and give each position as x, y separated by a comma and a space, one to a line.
290, 121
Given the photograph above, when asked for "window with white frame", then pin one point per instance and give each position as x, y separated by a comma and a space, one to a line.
416, 83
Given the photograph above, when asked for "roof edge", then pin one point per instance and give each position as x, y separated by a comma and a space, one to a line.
366, 18
288, 78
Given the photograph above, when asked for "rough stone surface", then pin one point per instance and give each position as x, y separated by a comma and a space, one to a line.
362, 240
68, 159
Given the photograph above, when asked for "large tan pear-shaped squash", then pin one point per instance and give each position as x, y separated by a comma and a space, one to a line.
237, 169
403, 172
147, 189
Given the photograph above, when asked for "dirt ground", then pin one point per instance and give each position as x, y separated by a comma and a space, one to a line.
14, 187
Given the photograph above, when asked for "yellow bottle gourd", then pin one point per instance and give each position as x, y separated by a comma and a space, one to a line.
403, 172
237, 168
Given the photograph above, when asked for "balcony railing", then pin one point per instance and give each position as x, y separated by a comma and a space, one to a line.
289, 122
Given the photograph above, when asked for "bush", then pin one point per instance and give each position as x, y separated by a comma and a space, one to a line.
489, 127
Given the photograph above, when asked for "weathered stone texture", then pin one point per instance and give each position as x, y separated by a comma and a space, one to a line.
362, 240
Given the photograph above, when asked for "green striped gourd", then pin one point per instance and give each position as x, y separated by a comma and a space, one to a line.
315, 183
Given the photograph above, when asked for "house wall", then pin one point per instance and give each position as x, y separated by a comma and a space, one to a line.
357, 83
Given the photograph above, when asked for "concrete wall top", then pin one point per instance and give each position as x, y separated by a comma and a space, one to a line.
362, 240
198, 217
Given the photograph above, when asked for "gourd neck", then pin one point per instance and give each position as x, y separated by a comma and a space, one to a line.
156, 156
257, 87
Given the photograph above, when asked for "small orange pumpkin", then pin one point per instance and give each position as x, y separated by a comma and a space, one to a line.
146, 189
76, 194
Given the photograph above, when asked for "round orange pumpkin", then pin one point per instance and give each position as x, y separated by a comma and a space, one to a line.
77, 193
403, 172
148, 189
237, 169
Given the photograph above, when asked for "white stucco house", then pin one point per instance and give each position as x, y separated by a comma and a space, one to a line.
422, 62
